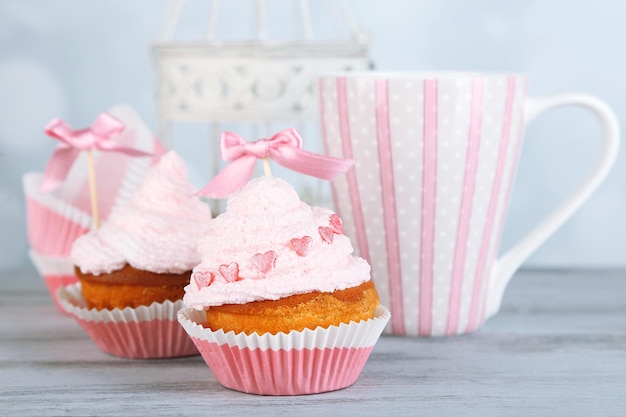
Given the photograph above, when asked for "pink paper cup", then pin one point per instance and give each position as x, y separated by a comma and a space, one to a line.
145, 332
296, 363
55, 272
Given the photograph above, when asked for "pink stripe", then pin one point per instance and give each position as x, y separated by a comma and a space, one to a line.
469, 185
355, 198
387, 183
429, 193
326, 144
518, 148
474, 315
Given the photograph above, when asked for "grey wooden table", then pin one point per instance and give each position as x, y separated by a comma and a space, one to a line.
557, 348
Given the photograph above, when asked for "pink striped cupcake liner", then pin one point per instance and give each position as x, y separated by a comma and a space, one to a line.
145, 332
52, 224
296, 363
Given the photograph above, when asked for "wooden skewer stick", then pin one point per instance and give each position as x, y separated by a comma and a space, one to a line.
92, 190
266, 167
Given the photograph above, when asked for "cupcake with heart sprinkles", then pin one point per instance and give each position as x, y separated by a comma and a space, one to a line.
133, 269
279, 305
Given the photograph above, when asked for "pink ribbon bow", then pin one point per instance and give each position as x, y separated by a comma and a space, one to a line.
98, 136
285, 147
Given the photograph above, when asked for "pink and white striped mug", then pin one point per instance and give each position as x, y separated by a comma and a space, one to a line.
436, 155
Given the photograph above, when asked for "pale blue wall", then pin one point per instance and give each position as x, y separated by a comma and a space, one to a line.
76, 58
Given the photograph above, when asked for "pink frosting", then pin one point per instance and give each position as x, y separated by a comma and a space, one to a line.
264, 216
157, 231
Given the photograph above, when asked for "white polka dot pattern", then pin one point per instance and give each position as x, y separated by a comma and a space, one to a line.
407, 155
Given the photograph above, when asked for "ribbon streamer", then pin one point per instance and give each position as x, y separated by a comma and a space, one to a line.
96, 137
285, 147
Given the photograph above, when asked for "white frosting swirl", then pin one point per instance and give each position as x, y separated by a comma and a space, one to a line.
156, 231
264, 216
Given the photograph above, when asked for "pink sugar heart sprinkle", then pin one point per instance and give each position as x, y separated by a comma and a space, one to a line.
230, 272
264, 262
336, 224
203, 279
301, 246
326, 233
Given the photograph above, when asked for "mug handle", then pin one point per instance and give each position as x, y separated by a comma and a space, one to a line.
506, 265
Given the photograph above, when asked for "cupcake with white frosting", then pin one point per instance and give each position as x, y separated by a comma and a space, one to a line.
134, 268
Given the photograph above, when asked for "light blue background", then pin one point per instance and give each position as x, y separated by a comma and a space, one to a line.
74, 59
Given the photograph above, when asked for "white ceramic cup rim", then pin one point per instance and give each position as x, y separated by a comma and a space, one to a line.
419, 75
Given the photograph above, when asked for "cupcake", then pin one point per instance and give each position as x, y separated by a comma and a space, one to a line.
278, 304
134, 268
56, 218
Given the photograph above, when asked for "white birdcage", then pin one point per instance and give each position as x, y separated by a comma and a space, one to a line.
256, 82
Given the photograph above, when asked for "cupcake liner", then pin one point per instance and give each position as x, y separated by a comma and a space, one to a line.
55, 272
52, 224
142, 333
294, 363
